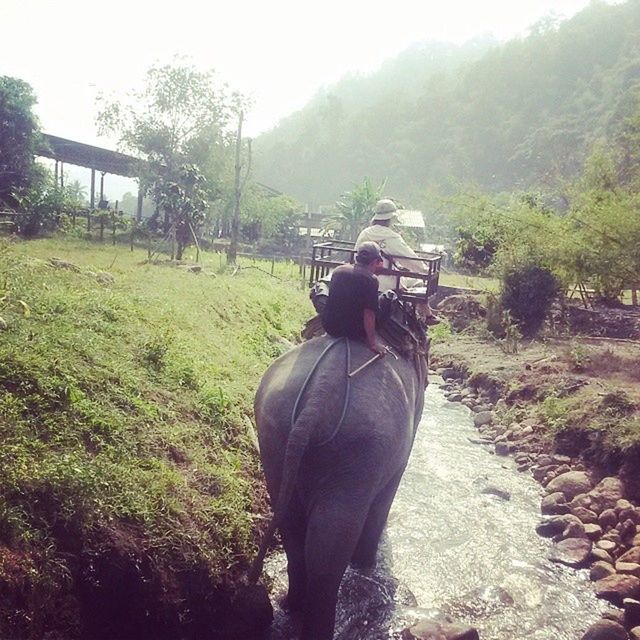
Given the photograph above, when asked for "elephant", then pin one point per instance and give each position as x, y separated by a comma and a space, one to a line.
333, 450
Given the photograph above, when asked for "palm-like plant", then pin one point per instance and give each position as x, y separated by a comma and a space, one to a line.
354, 208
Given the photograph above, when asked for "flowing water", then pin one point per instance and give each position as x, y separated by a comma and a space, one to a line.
461, 545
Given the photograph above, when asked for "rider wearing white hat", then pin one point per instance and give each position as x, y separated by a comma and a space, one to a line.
391, 243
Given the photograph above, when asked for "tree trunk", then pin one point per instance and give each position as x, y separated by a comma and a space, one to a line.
235, 220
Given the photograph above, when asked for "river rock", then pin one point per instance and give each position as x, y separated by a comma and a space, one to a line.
601, 569
502, 449
628, 568
617, 587
571, 484
627, 529
633, 555
593, 531
575, 530
430, 630
608, 519
606, 494
448, 373
454, 397
605, 630
607, 545
554, 504
544, 460
559, 458
631, 612
554, 526
574, 552
634, 634
497, 492
484, 417
601, 554
585, 515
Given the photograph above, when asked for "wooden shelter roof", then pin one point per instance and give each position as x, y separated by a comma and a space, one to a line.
86, 155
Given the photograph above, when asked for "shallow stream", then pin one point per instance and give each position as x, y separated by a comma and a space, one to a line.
460, 544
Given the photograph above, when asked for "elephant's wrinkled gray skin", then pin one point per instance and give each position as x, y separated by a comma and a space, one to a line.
331, 499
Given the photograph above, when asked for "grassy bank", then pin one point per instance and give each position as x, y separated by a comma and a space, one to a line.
125, 398
584, 391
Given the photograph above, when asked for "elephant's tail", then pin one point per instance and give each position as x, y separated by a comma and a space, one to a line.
297, 443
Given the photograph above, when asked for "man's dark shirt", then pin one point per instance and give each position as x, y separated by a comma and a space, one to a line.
352, 290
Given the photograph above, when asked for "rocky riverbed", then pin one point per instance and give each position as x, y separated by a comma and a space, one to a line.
590, 519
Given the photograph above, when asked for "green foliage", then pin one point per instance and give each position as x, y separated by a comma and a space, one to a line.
181, 123
122, 411
527, 294
354, 209
19, 134
503, 116
42, 205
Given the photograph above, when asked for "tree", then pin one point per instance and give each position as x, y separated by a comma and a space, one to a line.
19, 135
355, 207
180, 122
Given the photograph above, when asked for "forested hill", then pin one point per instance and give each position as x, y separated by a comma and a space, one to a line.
503, 117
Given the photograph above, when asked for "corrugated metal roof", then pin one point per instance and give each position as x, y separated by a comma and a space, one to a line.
410, 218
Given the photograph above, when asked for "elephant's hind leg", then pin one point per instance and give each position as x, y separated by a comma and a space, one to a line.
293, 537
364, 556
332, 533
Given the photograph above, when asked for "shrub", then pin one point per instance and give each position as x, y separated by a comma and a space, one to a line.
527, 292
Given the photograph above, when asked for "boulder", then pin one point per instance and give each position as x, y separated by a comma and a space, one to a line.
605, 630
617, 587
554, 526
592, 531
606, 494
483, 417
574, 552
554, 504
607, 545
601, 569
571, 484
601, 554
608, 519
585, 515
633, 555
431, 630
631, 612
628, 568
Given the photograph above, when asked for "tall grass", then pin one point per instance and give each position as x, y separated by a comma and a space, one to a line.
124, 405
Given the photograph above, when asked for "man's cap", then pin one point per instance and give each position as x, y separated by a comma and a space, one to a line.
385, 209
368, 252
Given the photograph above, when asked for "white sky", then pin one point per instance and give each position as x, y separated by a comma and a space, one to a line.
279, 52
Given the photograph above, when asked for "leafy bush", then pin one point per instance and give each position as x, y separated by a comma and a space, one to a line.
527, 293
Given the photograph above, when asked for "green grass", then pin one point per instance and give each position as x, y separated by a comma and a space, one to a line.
124, 404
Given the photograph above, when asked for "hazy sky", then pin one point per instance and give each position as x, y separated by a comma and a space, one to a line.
279, 51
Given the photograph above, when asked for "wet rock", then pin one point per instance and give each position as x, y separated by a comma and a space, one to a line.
554, 504
502, 449
571, 484
448, 373
454, 397
430, 630
628, 568
617, 587
632, 555
601, 554
554, 526
605, 630
498, 493
585, 515
631, 609
601, 570
484, 417
592, 531
627, 529
574, 552
606, 494
617, 615
574, 530
608, 519
607, 545
544, 460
